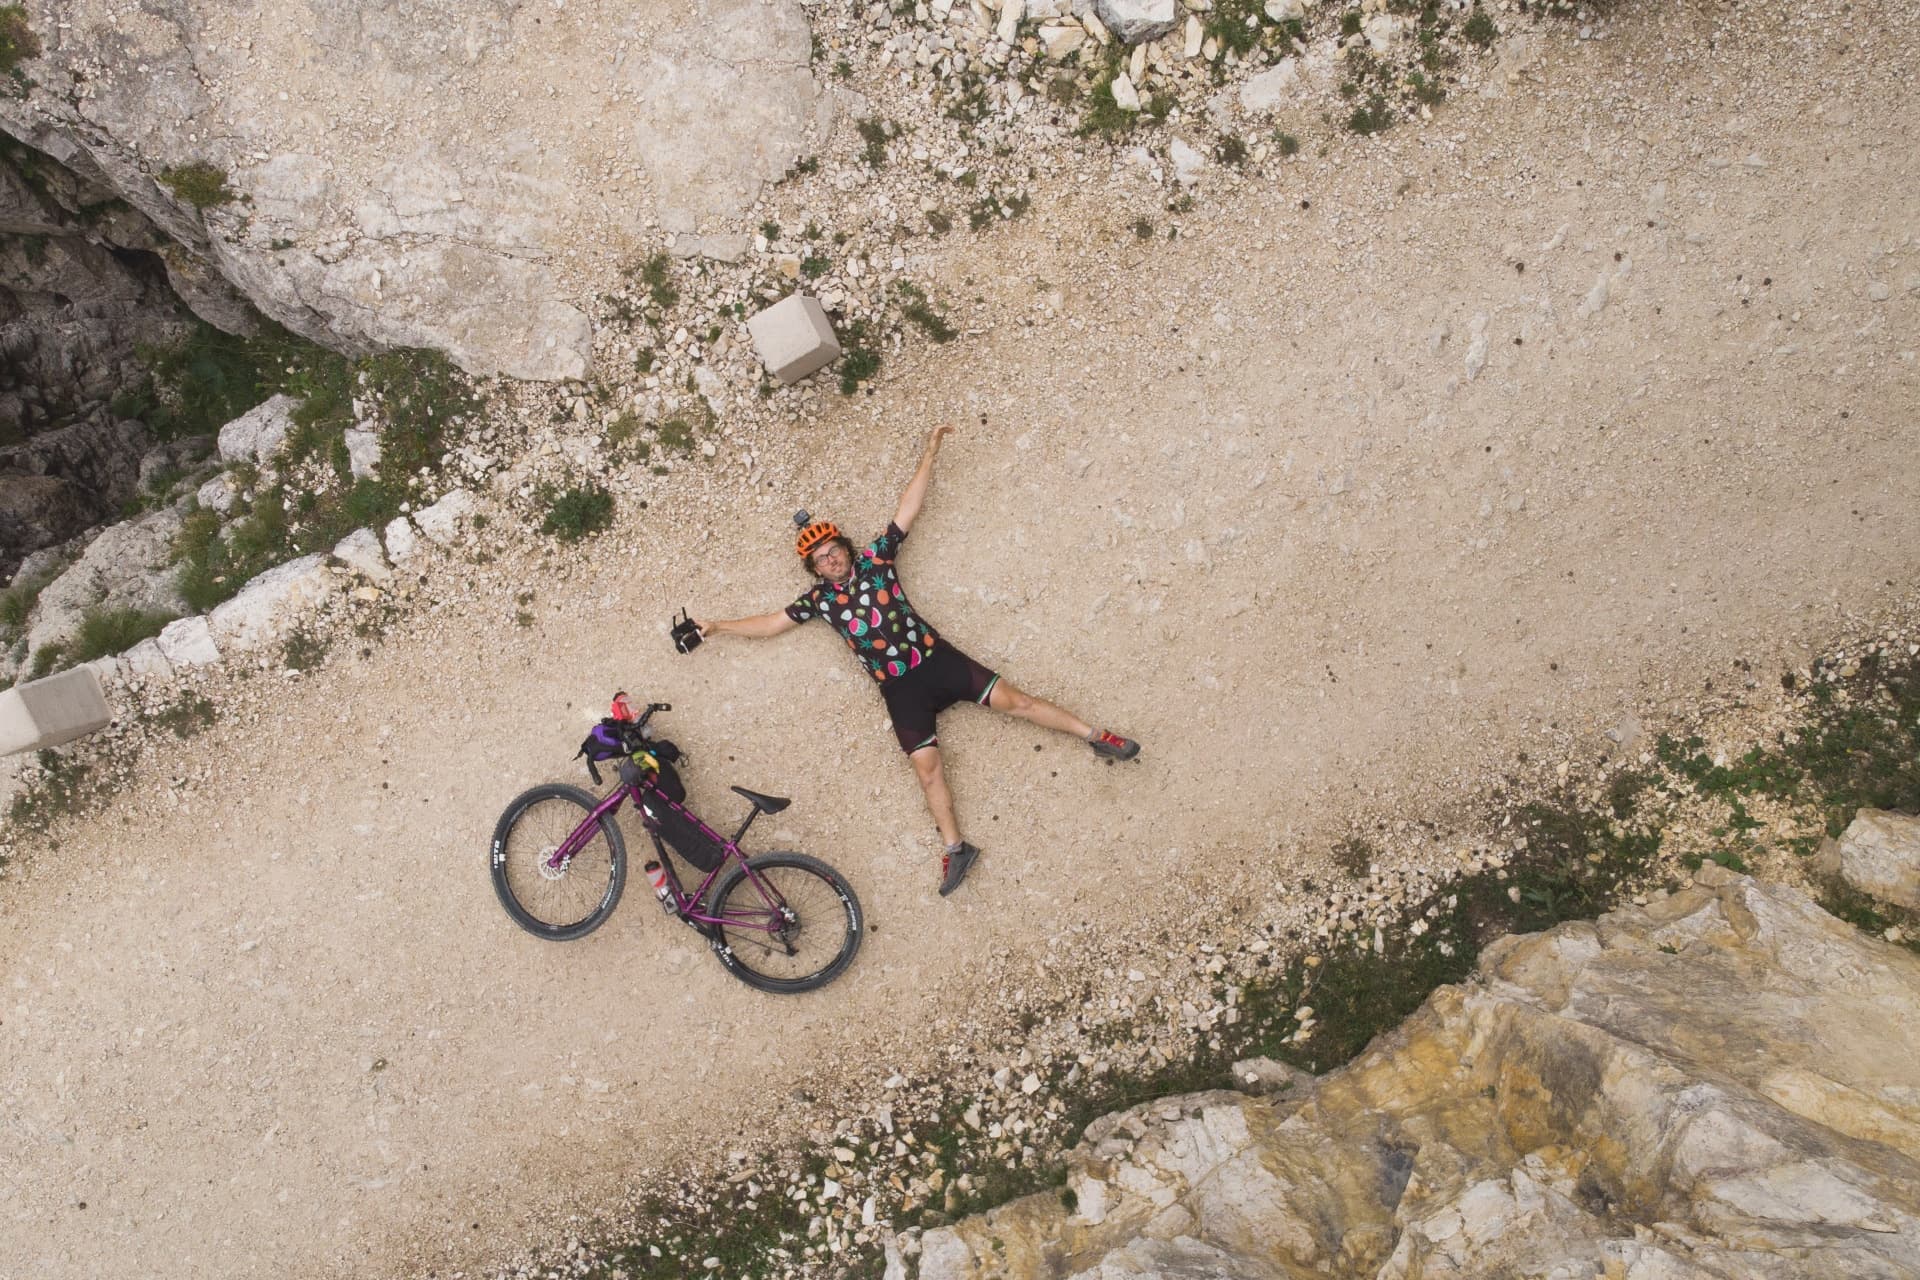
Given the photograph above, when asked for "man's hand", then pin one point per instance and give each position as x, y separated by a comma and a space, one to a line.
916, 492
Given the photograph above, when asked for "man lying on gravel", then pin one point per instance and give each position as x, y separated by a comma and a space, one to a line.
920, 675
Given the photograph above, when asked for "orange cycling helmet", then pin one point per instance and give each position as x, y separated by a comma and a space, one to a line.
814, 535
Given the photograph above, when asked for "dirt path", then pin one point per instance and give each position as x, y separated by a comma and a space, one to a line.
1238, 496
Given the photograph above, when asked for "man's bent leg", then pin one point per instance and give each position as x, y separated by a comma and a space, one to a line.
933, 781
1014, 702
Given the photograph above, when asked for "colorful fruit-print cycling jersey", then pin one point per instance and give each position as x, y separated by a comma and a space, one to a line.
871, 612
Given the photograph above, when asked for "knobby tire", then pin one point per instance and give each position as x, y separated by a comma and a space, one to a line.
585, 893
825, 936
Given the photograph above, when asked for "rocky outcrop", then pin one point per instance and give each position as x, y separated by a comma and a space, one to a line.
1724, 1083
1878, 855
128, 566
61, 483
411, 174
84, 280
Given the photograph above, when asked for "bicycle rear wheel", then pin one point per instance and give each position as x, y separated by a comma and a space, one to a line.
558, 899
792, 926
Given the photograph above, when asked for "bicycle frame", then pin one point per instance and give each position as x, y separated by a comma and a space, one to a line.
770, 920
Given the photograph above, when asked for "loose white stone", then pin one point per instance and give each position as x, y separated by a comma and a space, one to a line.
1380, 30
1011, 11
1276, 87
188, 642
363, 452
255, 435
147, 659
1137, 21
441, 522
218, 494
403, 541
1187, 162
360, 551
1059, 42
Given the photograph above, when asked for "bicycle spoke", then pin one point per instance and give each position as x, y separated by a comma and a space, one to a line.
787, 924
556, 894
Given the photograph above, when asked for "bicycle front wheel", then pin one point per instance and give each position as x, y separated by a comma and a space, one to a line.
792, 925
550, 895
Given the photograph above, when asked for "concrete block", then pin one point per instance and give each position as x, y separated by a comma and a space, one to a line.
793, 338
46, 713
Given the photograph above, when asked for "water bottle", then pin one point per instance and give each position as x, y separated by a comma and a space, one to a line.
657, 877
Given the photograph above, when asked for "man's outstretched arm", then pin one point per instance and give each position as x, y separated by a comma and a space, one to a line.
916, 491
758, 627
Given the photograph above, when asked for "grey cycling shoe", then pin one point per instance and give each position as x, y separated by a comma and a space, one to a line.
954, 867
1113, 746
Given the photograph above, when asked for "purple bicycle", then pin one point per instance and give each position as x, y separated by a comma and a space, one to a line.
781, 922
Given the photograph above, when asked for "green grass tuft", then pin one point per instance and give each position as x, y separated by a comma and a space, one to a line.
656, 274
304, 650
1375, 117
54, 794
920, 310
574, 513
109, 631
200, 184
859, 361
1237, 24
16, 604
873, 136
1104, 117
188, 716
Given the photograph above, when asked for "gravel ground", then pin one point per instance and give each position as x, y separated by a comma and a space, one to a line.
1327, 500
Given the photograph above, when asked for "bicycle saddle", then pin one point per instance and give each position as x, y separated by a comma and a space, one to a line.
765, 804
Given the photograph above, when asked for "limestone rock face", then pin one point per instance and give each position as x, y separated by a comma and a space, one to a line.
60, 482
417, 172
1725, 1083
